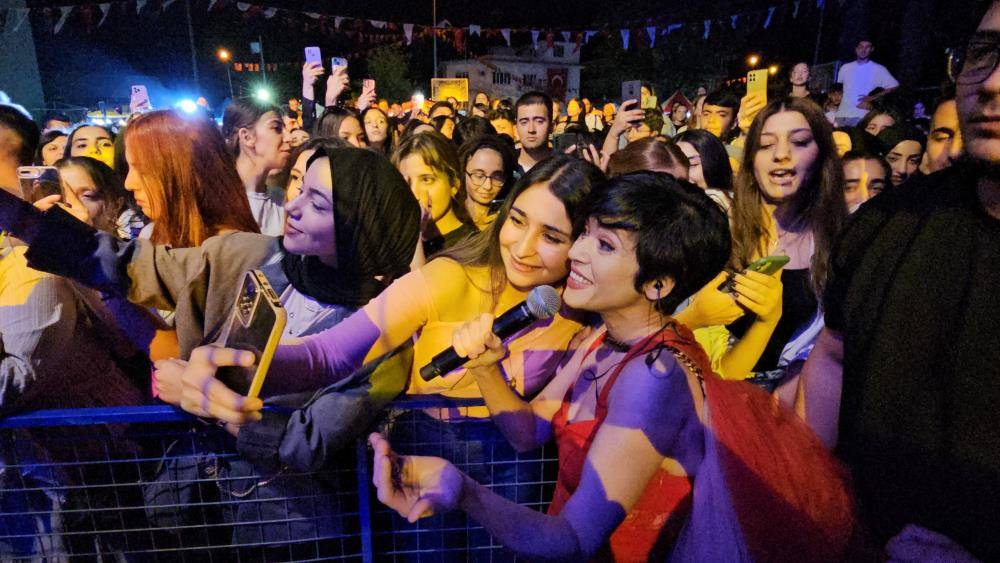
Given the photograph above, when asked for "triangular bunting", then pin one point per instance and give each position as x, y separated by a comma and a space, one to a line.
270, 12
63, 14
314, 15
211, 4
139, 5
795, 11
21, 16
673, 27
586, 36
708, 29
506, 35
534, 38
770, 14
475, 30
732, 20
242, 6
566, 36
377, 24
336, 22
166, 4
651, 32
408, 32
625, 33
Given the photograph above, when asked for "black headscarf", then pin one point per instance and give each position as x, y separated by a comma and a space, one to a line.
377, 222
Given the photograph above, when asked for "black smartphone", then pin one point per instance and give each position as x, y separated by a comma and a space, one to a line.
256, 324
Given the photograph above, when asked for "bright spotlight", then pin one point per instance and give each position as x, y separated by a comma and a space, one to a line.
263, 94
772, 70
752, 60
187, 106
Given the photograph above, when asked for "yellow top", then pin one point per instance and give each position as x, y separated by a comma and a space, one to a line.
438, 298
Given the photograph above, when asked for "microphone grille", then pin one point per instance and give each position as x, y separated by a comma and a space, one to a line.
543, 302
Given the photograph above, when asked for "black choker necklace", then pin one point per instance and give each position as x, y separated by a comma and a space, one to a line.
616, 345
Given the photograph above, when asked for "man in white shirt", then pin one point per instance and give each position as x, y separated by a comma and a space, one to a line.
859, 78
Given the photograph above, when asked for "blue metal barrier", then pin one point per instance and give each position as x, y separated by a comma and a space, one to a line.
153, 483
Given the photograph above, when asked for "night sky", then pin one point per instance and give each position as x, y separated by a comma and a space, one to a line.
81, 66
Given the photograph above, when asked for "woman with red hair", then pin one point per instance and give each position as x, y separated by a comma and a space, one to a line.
184, 179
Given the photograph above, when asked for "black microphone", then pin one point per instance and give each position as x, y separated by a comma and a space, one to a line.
542, 303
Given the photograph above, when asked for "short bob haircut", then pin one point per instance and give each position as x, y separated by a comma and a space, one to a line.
680, 233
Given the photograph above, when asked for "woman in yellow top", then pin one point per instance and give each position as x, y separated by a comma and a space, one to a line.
526, 246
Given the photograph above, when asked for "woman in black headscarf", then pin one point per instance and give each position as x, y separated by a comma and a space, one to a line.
351, 231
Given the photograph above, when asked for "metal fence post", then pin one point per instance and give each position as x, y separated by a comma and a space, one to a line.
364, 501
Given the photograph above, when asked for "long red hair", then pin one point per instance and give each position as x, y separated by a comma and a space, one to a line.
191, 178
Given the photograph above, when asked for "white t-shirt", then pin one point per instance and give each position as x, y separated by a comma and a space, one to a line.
269, 211
859, 79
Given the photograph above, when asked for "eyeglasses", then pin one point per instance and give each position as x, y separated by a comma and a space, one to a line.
478, 178
973, 63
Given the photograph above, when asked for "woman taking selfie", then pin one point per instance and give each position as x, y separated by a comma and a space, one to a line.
640, 389
258, 140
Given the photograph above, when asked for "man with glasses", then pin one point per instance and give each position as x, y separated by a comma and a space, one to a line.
910, 357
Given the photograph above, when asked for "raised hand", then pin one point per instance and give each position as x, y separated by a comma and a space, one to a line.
204, 395
760, 293
475, 340
629, 113
311, 71
336, 83
750, 106
711, 307
414, 486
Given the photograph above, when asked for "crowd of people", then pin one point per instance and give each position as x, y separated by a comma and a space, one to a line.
776, 308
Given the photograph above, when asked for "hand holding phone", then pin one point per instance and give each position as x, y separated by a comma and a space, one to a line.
767, 265
629, 115
256, 325
338, 62
760, 294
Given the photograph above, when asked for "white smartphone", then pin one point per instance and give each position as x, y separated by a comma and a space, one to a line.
38, 182
313, 55
337, 61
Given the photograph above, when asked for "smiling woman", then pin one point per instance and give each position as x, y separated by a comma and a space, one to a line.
640, 389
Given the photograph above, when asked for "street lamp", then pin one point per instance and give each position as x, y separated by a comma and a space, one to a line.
224, 57
753, 60
772, 70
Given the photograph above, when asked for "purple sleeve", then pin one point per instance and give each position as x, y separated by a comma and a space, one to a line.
321, 359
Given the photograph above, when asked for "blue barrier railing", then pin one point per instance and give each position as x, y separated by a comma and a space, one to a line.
113, 478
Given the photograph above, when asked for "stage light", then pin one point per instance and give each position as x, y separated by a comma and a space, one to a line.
263, 94
223, 55
772, 70
187, 106
752, 60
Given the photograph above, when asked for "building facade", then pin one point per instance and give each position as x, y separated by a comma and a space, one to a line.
508, 73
